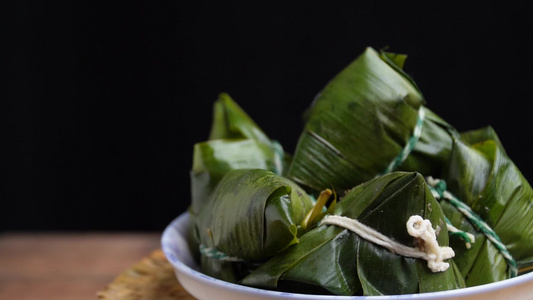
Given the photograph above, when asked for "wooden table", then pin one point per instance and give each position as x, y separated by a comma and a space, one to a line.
82, 266
104, 266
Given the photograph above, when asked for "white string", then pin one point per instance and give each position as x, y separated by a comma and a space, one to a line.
471, 237
417, 227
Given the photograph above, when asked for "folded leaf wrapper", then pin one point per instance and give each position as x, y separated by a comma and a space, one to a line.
252, 215
331, 259
482, 176
361, 121
235, 142
368, 137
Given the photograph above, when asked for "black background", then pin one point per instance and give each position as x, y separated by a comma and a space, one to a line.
105, 101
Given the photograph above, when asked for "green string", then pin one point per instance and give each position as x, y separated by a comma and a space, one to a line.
460, 234
398, 160
439, 190
279, 156
218, 255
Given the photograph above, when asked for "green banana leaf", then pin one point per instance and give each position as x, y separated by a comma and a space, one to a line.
360, 122
480, 135
231, 122
235, 142
331, 259
482, 176
253, 214
213, 159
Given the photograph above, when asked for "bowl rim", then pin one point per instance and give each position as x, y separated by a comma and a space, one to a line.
181, 267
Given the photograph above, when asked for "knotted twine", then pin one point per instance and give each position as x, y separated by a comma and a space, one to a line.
409, 146
218, 255
438, 189
417, 227
279, 157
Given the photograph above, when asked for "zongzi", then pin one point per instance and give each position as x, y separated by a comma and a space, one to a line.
369, 120
331, 258
252, 215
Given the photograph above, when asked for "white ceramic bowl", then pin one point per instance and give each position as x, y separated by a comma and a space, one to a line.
203, 287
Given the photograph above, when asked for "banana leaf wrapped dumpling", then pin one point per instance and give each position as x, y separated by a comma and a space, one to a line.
235, 142
332, 259
489, 186
253, 214
368, 120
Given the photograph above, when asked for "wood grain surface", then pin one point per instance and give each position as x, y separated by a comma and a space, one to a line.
64, 266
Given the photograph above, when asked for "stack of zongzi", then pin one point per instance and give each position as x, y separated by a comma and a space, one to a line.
381, 196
